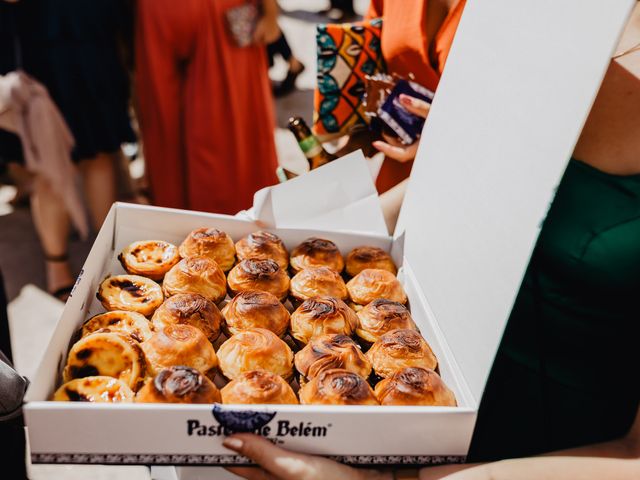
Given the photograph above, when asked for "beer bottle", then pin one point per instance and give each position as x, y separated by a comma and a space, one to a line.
309, 144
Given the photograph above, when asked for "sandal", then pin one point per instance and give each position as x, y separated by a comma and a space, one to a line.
288, 85
62, 293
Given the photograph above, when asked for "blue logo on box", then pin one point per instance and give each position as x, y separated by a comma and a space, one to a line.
242, 420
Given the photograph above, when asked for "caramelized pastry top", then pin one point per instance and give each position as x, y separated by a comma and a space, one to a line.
316, 252
255, 349
321, 315
382, 316
318, 281
361, 258
179, 384
256, 309
258, 387
190, 309
178, 344
373, 283
133, 324
255, 274
212, 243
196, 275
263, 245
398, 349
337, 387
149, 258
97, 389
106, 354
130, 292
331, 351
414, 386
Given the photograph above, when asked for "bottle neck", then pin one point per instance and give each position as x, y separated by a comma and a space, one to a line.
310, 146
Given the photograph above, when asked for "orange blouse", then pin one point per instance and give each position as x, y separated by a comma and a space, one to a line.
405, 48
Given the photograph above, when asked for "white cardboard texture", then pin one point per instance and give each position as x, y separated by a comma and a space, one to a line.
519, 82
180, 434
339, 196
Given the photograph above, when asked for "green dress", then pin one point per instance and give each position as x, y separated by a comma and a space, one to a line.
566, 371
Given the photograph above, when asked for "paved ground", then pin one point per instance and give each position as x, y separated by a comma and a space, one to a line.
21, 257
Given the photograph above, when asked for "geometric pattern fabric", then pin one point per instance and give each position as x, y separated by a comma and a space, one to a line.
346, 53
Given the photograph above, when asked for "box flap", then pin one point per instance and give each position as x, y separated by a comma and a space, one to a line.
340, 196
518, 86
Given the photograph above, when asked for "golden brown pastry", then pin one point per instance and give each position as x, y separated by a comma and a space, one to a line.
149, 258
316, 282
190, 309
255, 274
331, 351
255, 309
398, 349
212, 243
337, 387
196, 275
414, 386
255, 349
179, 384
361, 258
130, 292
106, 354
180, 345
380, 317
133, 324
263, 245
316, 252
258, 386
97, 389
321, 315
373, 283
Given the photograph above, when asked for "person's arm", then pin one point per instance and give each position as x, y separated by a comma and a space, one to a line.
553, 468
375, 9
621, 449
277, 463
624, 447
391, 200
267, 30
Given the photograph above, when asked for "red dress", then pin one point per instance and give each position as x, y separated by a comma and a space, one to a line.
205, 107
406, 50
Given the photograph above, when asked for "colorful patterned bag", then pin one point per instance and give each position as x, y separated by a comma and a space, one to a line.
346, 54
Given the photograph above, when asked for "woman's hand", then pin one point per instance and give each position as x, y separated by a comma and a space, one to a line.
267, 29
277, 463
394, 149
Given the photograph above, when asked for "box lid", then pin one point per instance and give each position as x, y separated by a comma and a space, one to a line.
340, 196
519, 83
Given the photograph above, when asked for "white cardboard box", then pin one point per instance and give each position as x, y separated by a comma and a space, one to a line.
183, 434
518, 86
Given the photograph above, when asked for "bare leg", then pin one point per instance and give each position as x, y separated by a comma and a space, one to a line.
23, 180
99, 180
295, 65
52, 224
125, 188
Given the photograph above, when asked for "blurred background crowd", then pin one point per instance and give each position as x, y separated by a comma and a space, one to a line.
186, 107
163, 108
